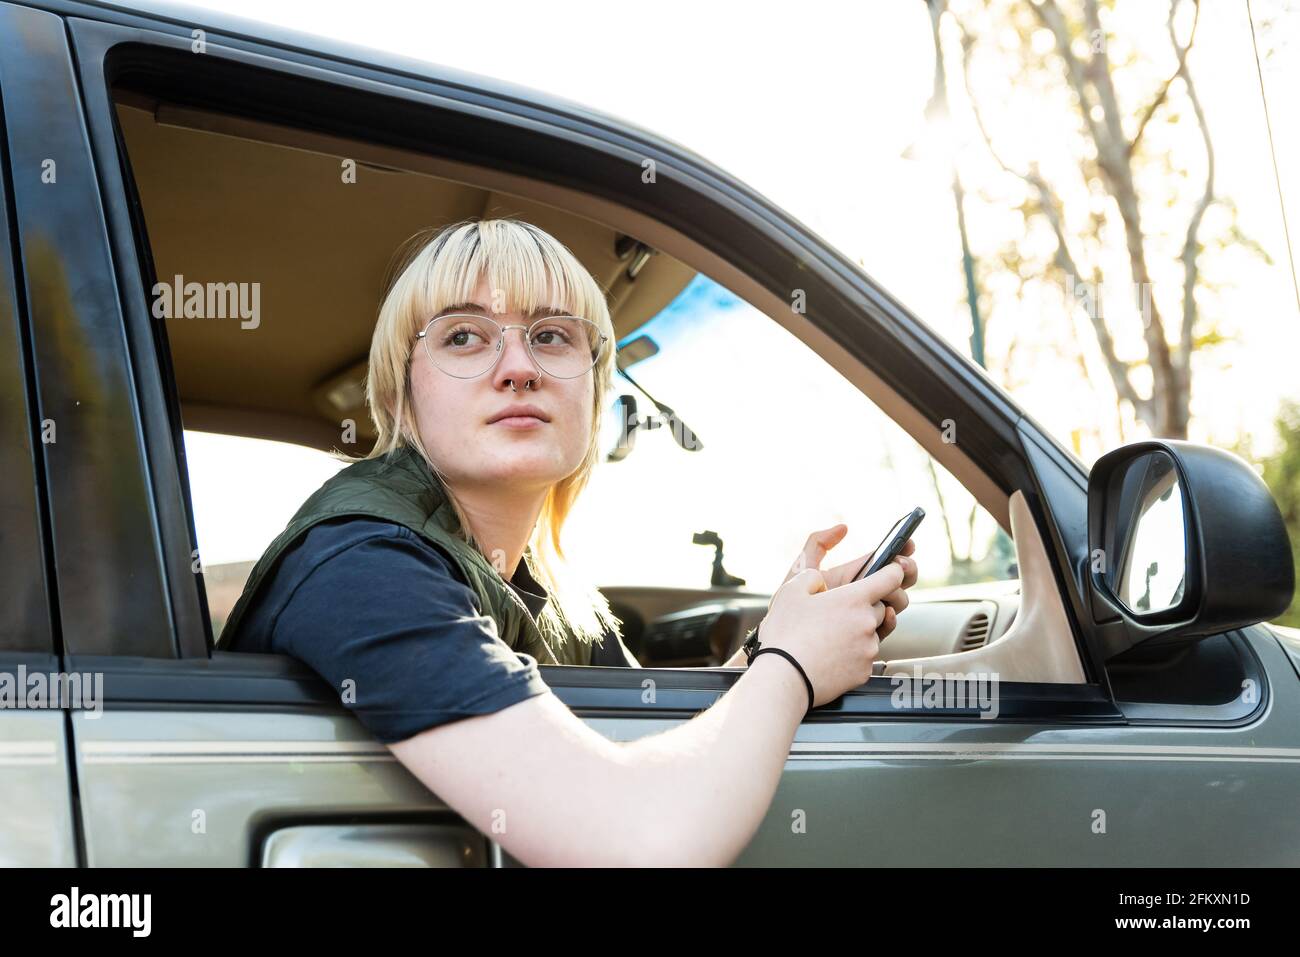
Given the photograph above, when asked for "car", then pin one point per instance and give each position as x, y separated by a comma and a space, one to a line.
1131, 705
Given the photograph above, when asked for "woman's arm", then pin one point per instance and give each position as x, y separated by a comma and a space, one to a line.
553, 791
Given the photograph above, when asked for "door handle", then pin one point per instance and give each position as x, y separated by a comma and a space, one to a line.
374, 845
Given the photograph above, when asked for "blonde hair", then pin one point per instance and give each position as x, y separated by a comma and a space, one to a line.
441, 268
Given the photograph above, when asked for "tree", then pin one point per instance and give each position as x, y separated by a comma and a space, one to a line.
1132, 188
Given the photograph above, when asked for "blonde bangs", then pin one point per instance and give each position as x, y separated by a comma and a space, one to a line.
527, 270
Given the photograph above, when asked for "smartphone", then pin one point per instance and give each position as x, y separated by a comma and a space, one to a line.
892, 543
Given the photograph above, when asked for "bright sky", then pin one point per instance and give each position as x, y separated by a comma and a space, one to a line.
813, 105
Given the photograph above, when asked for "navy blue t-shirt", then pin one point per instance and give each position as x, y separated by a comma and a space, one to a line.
390, 622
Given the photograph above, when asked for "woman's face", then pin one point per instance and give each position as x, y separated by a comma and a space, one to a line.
454, 416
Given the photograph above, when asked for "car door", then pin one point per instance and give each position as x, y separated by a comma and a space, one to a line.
195, 760
37, 828
209, 758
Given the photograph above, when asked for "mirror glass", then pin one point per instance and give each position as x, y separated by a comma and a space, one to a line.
1148, 571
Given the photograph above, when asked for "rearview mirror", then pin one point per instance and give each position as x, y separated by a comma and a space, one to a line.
1184, 541
620, 432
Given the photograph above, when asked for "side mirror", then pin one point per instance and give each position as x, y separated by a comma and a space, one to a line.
1184, 541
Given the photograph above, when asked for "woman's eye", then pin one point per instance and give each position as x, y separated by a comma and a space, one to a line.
551, 337
457, 336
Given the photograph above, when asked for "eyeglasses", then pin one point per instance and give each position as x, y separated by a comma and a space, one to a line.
467, 345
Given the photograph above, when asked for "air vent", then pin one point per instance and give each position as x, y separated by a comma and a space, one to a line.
977, 632
683, 636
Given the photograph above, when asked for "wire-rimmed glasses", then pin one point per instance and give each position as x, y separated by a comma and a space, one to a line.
465, 345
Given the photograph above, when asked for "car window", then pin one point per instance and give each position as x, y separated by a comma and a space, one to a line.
785, 446
772, 465
268, 319
244, 493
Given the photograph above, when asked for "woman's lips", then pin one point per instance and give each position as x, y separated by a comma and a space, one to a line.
520, 422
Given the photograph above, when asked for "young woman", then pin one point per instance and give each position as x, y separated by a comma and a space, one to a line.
426, 581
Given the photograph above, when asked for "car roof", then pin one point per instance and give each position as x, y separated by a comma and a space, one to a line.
222, 23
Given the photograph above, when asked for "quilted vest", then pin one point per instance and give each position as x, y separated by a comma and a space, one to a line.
401, 488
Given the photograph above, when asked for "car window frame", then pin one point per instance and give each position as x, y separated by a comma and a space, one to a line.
27, 632
994, 424
83, 375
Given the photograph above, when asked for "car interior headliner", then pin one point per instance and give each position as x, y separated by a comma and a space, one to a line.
321, 250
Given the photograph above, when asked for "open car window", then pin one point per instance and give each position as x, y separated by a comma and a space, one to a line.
728, 437
765, 443
244, 493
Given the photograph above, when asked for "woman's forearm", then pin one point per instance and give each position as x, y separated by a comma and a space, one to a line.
703, 788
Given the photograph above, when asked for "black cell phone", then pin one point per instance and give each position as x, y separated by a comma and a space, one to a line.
891, 544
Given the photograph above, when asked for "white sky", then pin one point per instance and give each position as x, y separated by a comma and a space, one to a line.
813, 104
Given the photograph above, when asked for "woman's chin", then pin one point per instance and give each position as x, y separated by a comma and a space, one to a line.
529, 470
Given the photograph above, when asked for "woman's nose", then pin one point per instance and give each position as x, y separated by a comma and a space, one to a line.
516, 362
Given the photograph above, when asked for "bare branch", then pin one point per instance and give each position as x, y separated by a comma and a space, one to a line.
1113, 150
1054, 20
1112, 157
1182, 51
1051, 207
1191, 269
947, 526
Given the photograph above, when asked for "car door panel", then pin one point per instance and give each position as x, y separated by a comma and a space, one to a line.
206, 788
36, 829
1077, 791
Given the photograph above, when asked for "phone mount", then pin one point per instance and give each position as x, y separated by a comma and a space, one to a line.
720, 579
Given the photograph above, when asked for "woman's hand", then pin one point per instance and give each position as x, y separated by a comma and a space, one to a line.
834, 633
819, 543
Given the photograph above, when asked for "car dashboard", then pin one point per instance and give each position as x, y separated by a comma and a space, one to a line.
667, 628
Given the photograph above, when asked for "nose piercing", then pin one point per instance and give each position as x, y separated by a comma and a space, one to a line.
528, 384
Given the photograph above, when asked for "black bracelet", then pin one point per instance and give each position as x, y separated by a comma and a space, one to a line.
790, 658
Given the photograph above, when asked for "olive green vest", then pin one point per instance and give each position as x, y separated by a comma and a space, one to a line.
401, 488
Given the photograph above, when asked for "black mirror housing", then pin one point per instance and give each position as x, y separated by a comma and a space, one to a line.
1151, 583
